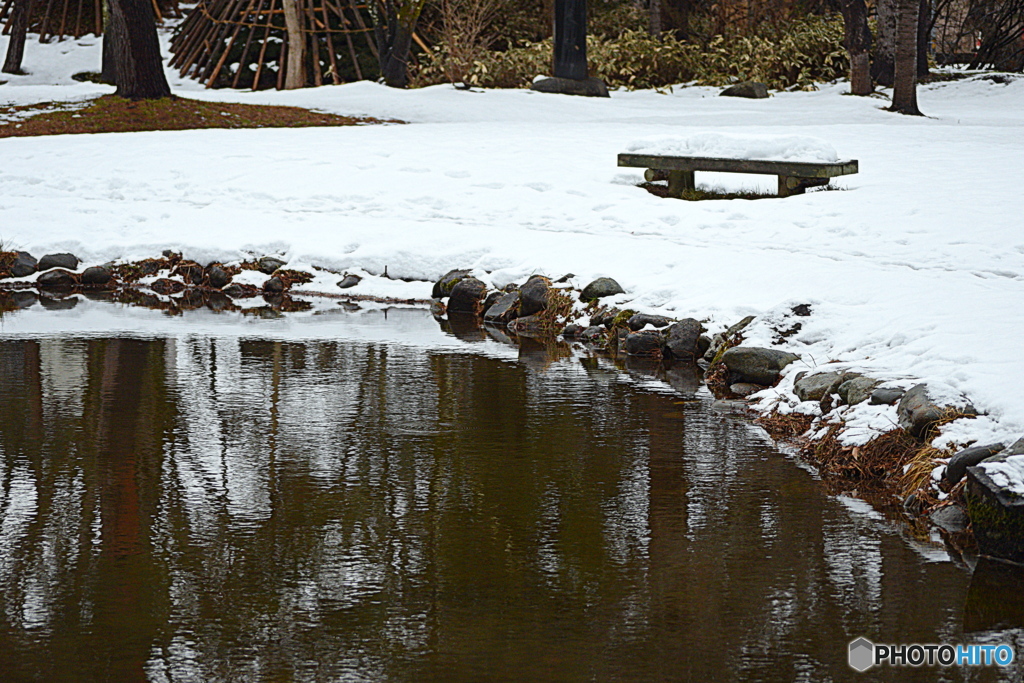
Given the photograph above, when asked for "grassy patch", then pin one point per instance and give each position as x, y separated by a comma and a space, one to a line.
110, 114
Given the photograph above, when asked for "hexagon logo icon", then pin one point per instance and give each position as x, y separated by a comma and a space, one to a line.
862, 654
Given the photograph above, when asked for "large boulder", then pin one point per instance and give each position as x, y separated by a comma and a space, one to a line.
586, 87
814, 387
189, 271
467, 296
957, 466
443, 287
719, 339
533, 296
166, 286
918, 413
217, 277
996, 507
749, 89
600, 288
69, 261
23, 264
57, 278
504, 309
756, 365
96, 275
641, 320
886, 396
647, 343
683, 339
268, 264
857, 390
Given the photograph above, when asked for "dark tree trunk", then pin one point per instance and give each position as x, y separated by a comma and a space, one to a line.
675, 17
924, 38
139, 68
18, 21
904, 94
882, 69
111, 39
857, 42
394, 22
571, 39
655, 25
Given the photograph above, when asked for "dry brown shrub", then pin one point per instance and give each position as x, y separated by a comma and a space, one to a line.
786, 427
882, 459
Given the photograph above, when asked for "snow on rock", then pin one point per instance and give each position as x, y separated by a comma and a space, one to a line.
1008, 474
738, 146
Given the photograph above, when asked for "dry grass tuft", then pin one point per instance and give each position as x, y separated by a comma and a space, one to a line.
786, 427
880, 460
559, 312
918, 475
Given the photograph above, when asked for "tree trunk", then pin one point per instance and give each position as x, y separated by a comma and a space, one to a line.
111, 39
570, 59
675, 17
924, 39
140, 70
394, 23
18, 21
882, 69
904, 94
857, 41
295, 73
655, 25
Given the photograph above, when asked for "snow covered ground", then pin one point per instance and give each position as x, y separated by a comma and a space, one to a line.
914, 271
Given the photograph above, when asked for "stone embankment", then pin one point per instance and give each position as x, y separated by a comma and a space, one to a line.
975, 489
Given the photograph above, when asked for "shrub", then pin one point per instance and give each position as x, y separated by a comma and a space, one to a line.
796, 54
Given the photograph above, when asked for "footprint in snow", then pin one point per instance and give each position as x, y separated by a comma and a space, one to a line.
457, 174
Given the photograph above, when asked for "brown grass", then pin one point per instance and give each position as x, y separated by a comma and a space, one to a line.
785, 427
558, 312
880, 460
110, 114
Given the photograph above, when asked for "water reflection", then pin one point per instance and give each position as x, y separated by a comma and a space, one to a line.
212, 508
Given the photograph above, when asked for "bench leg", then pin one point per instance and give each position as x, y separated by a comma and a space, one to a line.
789, 185
679, 182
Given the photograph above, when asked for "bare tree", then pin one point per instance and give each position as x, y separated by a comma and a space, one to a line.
904, 94
394, 22
465, 33
857, 41
18, 23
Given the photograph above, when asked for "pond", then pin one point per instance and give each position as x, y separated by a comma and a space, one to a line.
364, 496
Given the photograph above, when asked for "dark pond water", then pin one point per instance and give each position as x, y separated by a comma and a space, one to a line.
211, 507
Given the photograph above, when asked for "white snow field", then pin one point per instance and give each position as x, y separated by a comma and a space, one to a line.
915, 270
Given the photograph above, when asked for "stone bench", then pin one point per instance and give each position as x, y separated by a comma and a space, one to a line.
794, 176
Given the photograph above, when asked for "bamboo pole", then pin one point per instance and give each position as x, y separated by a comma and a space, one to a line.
243, 61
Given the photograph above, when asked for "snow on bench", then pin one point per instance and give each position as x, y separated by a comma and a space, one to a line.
799, 161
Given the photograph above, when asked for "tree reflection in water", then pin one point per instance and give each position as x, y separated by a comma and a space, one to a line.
214, 508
